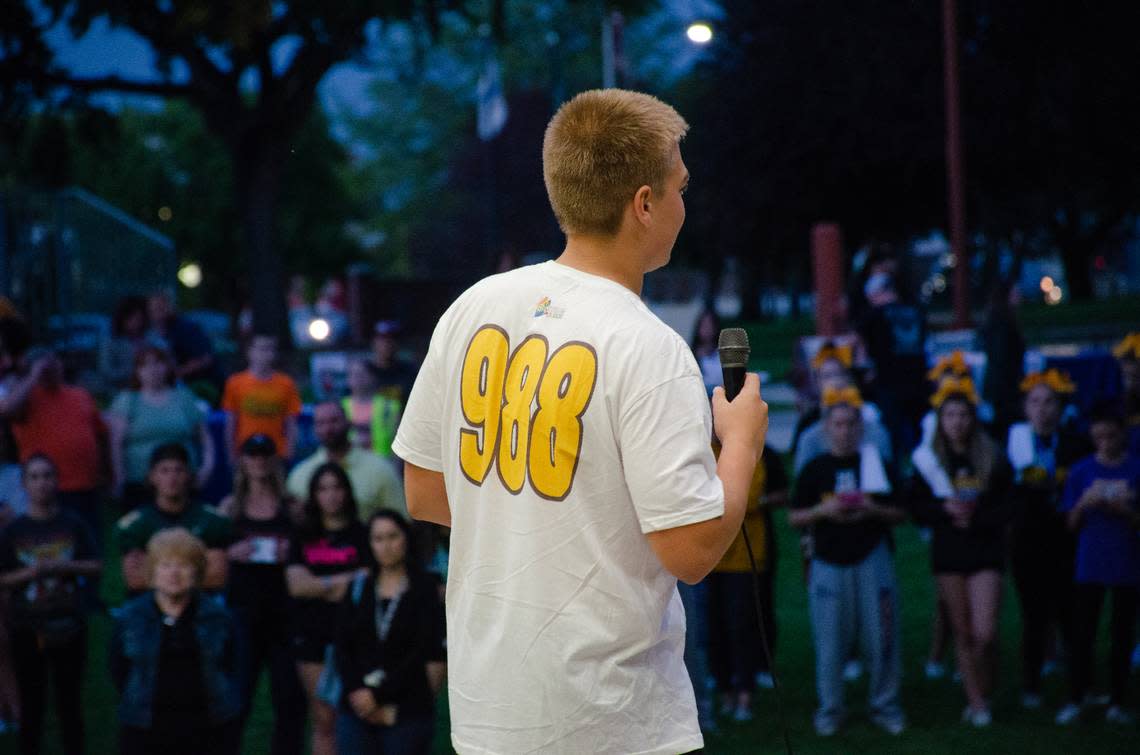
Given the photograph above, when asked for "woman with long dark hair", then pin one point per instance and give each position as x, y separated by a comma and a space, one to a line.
961, 491
326, 554
390, 651
256, 591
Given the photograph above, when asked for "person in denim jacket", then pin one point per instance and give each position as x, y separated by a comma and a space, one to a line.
174, 659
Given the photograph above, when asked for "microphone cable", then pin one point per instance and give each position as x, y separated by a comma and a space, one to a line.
764, 637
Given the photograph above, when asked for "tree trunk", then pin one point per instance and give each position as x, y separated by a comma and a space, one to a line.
258, 163
1076, 254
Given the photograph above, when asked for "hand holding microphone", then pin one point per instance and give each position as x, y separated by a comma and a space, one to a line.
739, 414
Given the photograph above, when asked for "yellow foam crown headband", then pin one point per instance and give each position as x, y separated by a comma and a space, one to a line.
831, 351
1052, 378
954, 388
1129, 348
953, 364
836, 396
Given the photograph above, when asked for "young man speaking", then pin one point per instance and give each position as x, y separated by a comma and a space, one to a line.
562, 431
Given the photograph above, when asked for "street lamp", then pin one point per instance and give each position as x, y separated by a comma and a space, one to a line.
699, 33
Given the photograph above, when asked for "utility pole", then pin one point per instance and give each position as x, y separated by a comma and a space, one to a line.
955, 179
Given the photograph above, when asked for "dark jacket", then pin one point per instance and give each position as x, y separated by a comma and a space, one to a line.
415, 638
134, 659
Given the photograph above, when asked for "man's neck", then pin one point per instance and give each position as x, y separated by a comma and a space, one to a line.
339, 451
610, 257
42, 511
172, 505
261, 373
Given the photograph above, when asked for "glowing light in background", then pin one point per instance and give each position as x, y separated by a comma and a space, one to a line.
190, 275
699, 33
1047, 284
319, 329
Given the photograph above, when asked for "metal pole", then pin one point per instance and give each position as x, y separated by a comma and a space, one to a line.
954, 172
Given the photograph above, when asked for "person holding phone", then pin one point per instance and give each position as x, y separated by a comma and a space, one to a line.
1101, 506
961, 491
846, 498
256, 592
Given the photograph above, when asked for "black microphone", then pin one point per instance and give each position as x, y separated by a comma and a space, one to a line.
734, 350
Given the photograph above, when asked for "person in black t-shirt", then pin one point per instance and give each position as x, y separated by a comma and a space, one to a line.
391, 653
328, 552
44, 556
962, 491
256, 591
846, 498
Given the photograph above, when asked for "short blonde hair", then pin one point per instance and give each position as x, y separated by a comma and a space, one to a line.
176, 544
600, 148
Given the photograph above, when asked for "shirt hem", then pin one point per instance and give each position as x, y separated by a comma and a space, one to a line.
686, 744
415, 457
704, 514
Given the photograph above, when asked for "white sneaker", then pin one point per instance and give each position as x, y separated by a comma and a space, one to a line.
765, 680
1030, 701
894, 726
934, 670
852, 671
1068, 715
979, 718
1117, 715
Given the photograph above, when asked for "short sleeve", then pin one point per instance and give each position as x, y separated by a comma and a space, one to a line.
807, 492
130, 532
121, 405
218, 532
292, 398
84, 542
190, 409
1074, 486
230, 398
296, 552
419, 440
667, 456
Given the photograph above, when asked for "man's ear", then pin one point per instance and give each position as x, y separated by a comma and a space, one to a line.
643, 203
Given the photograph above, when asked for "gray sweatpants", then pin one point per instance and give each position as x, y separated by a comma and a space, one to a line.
860, 601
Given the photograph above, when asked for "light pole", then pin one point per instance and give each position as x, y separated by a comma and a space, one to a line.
955, 179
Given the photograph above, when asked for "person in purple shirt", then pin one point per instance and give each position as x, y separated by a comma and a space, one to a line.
1101, 505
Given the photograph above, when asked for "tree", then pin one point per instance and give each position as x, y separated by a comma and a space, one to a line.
807, 112
1051, 125
251, 69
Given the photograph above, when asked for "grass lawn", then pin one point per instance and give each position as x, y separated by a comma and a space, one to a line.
933, 708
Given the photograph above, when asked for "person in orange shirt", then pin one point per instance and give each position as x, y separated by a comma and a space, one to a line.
261, 400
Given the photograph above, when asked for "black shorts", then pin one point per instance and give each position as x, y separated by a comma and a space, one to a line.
308, 649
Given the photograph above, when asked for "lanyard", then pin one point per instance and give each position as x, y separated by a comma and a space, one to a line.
384, 617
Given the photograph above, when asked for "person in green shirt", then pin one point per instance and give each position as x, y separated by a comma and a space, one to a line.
170, 477
375, 483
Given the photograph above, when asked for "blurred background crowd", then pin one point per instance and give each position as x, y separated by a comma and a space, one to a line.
226, 232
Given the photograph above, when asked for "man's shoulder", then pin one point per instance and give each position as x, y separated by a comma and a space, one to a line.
138, 519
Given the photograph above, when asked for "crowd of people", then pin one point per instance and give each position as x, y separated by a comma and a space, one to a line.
310, 571
307, 570
1031, 484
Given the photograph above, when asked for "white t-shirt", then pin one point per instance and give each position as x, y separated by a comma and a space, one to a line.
565, 632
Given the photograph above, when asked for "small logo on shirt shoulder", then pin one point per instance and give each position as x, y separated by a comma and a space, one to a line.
546, 308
